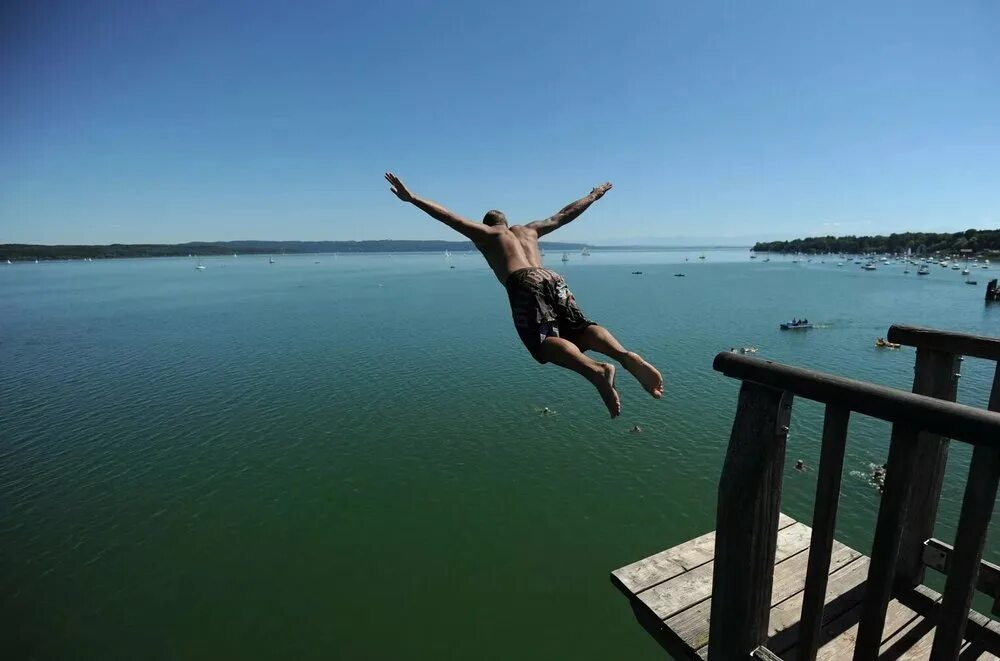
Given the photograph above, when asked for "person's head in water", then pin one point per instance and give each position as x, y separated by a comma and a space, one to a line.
494, 218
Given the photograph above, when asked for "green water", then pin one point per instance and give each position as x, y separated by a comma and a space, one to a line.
346, 459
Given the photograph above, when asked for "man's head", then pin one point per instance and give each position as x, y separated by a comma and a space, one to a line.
494, 218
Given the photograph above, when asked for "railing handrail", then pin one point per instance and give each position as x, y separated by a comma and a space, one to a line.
957, 421
963, 344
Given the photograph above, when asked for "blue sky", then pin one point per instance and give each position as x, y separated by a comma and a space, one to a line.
174, 121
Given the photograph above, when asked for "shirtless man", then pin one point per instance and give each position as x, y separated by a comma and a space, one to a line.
545, 313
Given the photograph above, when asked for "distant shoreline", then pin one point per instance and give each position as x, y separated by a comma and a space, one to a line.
19, 252
970, 242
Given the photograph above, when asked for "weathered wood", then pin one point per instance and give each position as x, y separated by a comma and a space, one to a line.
692, 624
938, 554
955, 421
831, 468
888, 534
680, 592
747, 521
840, 634
935, 375
977, 508
963, 344
664, 565
844, 592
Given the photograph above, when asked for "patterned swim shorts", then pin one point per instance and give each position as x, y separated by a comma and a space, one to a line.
543, 306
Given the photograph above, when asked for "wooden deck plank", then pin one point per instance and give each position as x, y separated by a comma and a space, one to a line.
676, 610
692, 625
663, 566
840, 635
689, 588
843, 592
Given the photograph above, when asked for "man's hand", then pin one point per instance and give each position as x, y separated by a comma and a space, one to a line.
399, 189
599, 191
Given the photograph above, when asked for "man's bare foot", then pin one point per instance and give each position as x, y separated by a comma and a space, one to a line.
645, 374
605, 384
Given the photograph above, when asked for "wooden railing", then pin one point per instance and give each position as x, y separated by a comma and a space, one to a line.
922, 422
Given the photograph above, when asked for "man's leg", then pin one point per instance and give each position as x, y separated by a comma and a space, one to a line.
566, 354
600, 339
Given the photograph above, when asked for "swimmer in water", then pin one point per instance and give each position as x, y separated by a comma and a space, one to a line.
800, 465
636, 429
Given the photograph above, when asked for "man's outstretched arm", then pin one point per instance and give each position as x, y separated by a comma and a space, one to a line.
570, 211
471, 230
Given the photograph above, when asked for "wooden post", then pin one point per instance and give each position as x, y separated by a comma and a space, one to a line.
888, 534
831, 468
747, 522
973, 522
935, 375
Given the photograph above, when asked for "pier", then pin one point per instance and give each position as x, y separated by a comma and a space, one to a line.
765, 586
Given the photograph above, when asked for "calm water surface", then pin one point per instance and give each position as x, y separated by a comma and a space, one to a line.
347, 459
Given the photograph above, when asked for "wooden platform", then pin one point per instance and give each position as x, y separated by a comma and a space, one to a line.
670, 593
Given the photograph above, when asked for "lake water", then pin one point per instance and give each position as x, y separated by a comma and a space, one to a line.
344, 457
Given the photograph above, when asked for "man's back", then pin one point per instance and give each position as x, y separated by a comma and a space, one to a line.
508, 249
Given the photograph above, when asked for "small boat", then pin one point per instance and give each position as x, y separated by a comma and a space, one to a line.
636, 272
795, 324
8, 261
701, 256
880, 343
200, 267
923, 270
585, 252
270, 260
565, 257
965, 271
870, 266
678, 275
971, 282
753, 256
840, 264
766, 259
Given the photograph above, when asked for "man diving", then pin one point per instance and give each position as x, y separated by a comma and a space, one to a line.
546, 315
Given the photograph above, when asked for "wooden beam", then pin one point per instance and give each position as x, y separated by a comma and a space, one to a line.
938, 554
973, 523
885, 547
747, 522
831, 468
962, 344
956, 421
935, 374
977, 508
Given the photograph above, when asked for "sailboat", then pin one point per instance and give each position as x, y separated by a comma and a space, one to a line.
270, 260
200, 267
565, 257
585, 252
